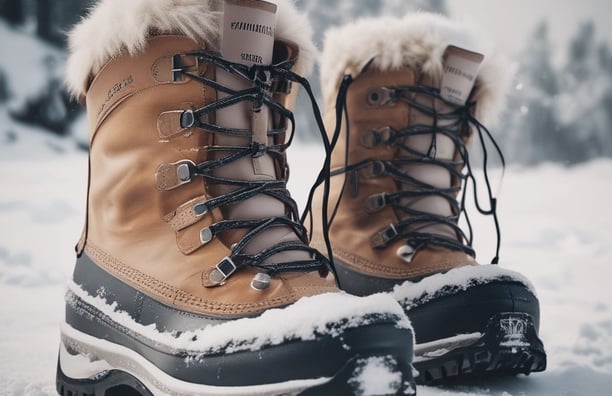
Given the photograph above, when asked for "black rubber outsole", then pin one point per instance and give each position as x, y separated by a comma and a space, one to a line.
120, 383
112, 383
509, 346
322, 356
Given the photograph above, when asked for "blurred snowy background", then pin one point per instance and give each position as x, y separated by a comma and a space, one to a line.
555, 207
560, 104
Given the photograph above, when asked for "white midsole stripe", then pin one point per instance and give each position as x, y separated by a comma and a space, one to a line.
97, 356
429, 350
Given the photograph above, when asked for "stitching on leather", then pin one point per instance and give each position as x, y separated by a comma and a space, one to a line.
360, 261
155, 286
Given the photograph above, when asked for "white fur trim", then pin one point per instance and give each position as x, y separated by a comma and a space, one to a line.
113, 26
417, 41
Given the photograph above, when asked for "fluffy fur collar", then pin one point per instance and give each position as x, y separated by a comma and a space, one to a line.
418, 41
113, 26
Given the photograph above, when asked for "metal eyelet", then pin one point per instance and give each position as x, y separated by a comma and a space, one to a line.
172, 175
375, 203
187, 119
374, 97
178, 68
375, 137
405, 252
374, 169
183, 172
206, 235
200, 209
261, 281
383, 237
218, 275
381, 96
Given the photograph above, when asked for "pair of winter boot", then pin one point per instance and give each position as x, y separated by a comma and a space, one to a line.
195, 273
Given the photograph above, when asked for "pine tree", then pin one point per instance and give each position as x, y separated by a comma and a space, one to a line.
583, 106
531, 131
12, 11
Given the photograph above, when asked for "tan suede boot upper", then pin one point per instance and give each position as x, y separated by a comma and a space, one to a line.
141, 225
363, 249
384, 162
194, 272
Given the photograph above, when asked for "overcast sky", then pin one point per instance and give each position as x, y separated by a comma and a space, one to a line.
509, 23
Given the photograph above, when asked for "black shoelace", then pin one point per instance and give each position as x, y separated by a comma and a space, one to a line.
264, 80
457, 122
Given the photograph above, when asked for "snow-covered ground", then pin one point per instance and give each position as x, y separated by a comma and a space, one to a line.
556, 229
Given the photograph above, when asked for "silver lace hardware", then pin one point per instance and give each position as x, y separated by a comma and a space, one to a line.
405, 252
375, 202
200, 209
374, 169
222, 271
375, 137
172, 175
187, 119
261, 281
381, 96
383, 237
178, 67
183, 172
206, 235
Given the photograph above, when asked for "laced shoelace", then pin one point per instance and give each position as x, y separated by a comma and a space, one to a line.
410, 228
263, 79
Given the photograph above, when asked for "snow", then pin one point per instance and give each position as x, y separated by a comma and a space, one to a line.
31, 141
303, 320
555, 229
156, 380
412, 294
377, 376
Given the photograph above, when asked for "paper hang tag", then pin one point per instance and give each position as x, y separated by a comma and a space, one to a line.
460, 72
248, 31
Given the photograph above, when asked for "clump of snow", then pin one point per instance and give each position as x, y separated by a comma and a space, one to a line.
411, 294
376, 376
324, 314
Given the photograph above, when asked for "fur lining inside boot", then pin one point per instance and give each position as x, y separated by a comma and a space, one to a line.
113, 26
418, 41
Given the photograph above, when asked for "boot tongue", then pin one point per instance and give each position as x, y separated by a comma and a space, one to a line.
248, 31
460, 69
248, 38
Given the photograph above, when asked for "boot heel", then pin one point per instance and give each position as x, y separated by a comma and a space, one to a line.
114, 383
93, 378
509, 346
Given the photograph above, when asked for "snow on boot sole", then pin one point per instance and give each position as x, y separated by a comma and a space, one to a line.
509, 346
91, 366
487, 325
104, 347
464, 321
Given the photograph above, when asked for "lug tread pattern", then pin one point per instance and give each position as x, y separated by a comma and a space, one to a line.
509, 346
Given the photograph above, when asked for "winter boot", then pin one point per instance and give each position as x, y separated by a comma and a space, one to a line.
194, 275
406, 98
